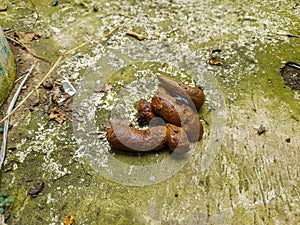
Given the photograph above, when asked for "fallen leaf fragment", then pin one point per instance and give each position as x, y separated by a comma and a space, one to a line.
26, 37
58, 115
215, 63
69, 220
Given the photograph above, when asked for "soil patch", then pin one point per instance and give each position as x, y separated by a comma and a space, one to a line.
291, 75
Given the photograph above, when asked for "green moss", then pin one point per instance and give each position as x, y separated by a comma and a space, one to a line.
242, 216
268, 78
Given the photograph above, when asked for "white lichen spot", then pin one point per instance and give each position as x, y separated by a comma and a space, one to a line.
50, 199
45, 141
54, 169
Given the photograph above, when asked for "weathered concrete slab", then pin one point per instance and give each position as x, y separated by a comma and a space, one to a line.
234, 176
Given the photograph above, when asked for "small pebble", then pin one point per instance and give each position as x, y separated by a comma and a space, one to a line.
48, 84
36, 188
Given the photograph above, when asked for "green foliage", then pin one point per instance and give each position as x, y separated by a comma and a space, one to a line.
1, 128
5, 201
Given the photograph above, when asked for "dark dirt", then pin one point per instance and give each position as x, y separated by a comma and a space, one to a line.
291, 75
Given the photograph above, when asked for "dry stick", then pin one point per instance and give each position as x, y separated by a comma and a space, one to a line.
136, 35
49, 72
35, 10
58, 61
288, 35
20, 78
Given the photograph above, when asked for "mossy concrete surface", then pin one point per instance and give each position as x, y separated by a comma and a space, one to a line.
249, 175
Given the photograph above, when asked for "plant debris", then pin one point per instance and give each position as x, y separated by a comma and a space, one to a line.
261, 130
136, 35
288, 34
215, 59
59, 59
9, 110
58, 115
18, 41
69, 220
26, 37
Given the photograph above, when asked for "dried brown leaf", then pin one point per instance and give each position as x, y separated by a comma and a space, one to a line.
69, 220
26, 37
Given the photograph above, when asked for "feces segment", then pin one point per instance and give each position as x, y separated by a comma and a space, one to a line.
177, 104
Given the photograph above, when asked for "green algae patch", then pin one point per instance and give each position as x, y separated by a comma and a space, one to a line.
265, 84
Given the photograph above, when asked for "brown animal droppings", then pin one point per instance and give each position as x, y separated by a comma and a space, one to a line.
177, 139
134, 140
183, 125
145, 112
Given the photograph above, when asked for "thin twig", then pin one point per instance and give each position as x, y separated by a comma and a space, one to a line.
35, 10
29, 50
8, 112
59, 60
20, 78
288, 35
136, 35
